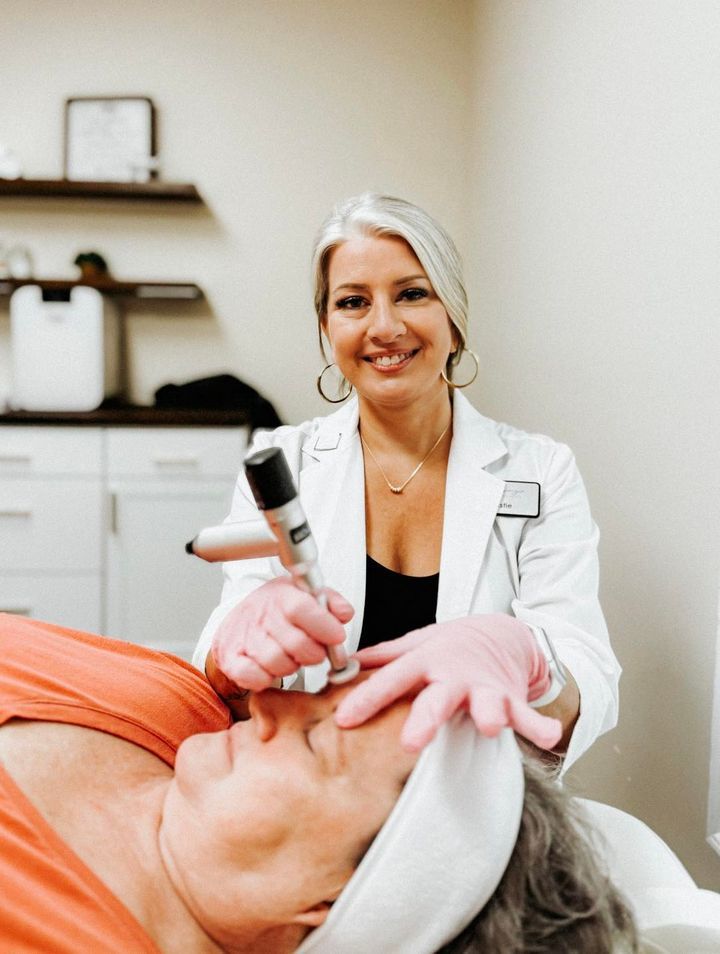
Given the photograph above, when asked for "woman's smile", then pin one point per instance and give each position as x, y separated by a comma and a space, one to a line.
391, 362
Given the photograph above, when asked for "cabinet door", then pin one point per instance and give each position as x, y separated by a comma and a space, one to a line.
158, 595
72, 601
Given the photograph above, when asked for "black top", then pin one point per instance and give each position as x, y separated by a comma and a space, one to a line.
395, 603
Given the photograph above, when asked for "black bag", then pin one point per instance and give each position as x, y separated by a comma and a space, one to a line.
224, 392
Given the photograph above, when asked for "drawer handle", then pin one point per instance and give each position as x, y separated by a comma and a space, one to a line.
15, 458
184, 462
113, 514
25, 513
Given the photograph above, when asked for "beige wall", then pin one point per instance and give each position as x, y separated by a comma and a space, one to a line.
578, 169
275, 110
595, 282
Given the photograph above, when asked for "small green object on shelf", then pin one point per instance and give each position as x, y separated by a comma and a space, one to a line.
92, 266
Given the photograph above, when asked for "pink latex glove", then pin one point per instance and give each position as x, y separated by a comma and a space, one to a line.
488, 665
275, 630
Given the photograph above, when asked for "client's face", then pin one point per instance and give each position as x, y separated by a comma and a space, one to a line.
273, 813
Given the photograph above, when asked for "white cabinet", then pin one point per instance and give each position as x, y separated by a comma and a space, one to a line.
165, 485
51, 524
94, 521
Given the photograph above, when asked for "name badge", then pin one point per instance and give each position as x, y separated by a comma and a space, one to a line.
521, 498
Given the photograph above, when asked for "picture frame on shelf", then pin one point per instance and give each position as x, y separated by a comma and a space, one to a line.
110, 139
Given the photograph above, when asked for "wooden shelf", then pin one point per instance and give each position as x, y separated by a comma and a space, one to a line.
154, 190
135, 291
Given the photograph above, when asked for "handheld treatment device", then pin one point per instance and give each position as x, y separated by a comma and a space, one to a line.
284, 532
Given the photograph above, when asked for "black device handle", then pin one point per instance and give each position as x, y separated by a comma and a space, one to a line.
270, 479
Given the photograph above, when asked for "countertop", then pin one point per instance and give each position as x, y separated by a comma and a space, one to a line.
131, 415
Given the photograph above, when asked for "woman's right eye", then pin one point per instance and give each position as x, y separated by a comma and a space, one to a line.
351, 302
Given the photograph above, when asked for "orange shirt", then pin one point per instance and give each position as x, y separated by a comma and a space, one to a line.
50, 902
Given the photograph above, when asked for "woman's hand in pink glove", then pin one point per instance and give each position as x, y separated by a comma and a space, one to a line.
488, 665
274, 631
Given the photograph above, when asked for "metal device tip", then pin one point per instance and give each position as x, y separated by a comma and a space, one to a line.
337, 677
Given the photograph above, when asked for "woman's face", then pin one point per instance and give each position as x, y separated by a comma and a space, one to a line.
389, 332
271, 815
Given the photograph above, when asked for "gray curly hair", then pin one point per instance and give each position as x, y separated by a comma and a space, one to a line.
375, 214
554, 897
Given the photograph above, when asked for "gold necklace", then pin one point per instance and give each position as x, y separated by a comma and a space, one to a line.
399, 489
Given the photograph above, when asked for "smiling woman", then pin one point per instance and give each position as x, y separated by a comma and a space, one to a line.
261, 836
426, 514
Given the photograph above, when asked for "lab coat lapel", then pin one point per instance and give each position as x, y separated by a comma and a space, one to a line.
332, 491
472, 496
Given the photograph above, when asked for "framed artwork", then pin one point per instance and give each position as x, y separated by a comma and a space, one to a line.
109, 139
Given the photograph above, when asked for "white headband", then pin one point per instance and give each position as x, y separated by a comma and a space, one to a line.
441, 853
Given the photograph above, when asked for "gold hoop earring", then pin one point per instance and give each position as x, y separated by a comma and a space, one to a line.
475, 374
322, 393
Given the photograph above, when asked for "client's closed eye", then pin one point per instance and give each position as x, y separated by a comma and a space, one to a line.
307, 732
327, 743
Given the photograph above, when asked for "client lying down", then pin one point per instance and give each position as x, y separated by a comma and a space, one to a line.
282, 833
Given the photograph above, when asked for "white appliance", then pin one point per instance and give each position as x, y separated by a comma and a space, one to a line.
64, 347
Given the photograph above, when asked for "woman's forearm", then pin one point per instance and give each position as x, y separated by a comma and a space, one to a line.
566, 708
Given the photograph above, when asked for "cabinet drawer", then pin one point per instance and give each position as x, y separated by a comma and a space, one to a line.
26, 451
72, 601
50, 526
176, 451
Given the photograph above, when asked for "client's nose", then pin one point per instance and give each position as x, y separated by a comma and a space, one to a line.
263, 712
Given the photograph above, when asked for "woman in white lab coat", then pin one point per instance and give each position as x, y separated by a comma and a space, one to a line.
425, 512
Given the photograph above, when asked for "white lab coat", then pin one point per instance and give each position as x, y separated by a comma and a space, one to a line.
542, 570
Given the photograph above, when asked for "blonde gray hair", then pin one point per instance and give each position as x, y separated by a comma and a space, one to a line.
374, 214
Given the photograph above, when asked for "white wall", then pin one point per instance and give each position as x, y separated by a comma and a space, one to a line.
596, 201
275, 110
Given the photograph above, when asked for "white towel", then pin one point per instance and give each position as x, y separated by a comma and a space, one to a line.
441, 853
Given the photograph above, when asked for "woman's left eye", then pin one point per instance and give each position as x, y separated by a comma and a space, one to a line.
414, 294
